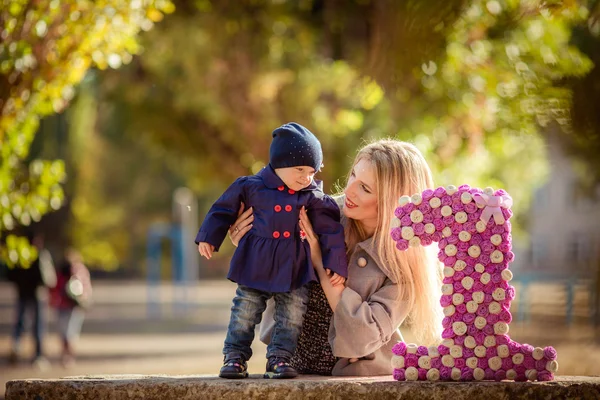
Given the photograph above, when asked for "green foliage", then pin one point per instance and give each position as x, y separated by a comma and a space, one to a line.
45, 49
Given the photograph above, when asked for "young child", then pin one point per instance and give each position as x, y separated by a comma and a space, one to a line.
272, 259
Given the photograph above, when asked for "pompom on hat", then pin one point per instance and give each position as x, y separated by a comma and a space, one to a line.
294, 146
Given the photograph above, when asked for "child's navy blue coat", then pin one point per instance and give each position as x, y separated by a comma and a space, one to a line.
271, 256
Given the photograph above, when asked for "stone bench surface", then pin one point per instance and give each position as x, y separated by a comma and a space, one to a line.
113, 387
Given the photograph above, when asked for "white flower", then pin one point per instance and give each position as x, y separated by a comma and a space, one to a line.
446, 211
480, 351
414, 242
479, 297
538, 353
497, 256
466, 197
411, 374
459, 328
433, 351
403, 200
494, 308
407, 233
459, 265
474, 251
496, 239
450, 250
489, 341
495, 363
467, 282
446, 232
501, 328
480, 322
447, 360
499, 294
485, 278
448, 272
489, 191
450, 189
511, 374
461, 217
472, 362
433, 374
395, 223
416, 199
429, 228
518, 358
449, 310
470, 342
435, 202
447, 289
507, 275
397, 362
503, 351
456, 351
411, 348
448, 342
458, 298
479, 268
531, 374
425, 362
472, 307
455, 374
552, 366
416, 216
478, 374
464, 236
480, 226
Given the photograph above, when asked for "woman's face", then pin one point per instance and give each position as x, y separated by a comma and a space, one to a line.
361, 195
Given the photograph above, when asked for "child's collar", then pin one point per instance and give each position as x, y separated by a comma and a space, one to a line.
272, 181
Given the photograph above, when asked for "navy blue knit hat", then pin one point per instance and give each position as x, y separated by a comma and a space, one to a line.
294, 146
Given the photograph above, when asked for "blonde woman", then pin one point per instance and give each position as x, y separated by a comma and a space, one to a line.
350, 330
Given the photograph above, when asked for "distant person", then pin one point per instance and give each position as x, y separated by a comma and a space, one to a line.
71, 296
31, 283
273, 259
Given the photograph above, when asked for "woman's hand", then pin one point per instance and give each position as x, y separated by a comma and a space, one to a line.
241, 226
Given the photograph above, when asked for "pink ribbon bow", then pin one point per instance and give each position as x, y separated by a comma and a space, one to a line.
492, 206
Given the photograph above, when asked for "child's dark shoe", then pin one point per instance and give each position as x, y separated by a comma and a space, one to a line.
234, 368
280, 368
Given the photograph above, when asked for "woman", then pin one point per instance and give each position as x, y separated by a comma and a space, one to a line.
385, 286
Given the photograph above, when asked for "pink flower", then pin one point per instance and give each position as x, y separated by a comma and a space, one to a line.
469, 269
468, 353
510, 256
470, 227
468, 297
507, 213
447, 280
445, 300
472, 331
487, 247
422, 374
437, 213
457, 206
464, 188
505, 316
476, 277
405, 221
411, 360
419, 229
439, 192
470, 208
483, 311
458, 287
456, 228
399, 374
443, 243
402, 244
468, 318
545, 376
427, 194
540, 365
436, 362
500, 375
459, 363
527, 349
446, 201
483, 363
502, 339
457, 317
446, 323
443, 350
456, 196
449, 261
463, 246
466, 374
445, 373
488, 297
489, 373
479, 336
426, 240
477, 286
436, 236
424, 207
448, 220
447, 334
399, 349
396, 234
489, 289
550, 353
459, 275
520, 369
422, 351
504, 247
399, 212
497, 229
491, 352
453, 239
486, 235
462, 255
492, 319
507, 363
428, 218
409, 207
484, 259
506, 237
496, 278
488, 330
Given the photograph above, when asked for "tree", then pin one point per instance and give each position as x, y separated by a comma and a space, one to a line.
46, 48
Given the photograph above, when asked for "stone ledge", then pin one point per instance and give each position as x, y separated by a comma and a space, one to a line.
105, 387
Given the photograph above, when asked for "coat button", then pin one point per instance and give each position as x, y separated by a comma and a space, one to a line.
277, 208
276, 234
288, 208
286, 234
280, 188
291, 191
362, 262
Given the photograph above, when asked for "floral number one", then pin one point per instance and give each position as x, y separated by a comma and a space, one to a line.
473, 232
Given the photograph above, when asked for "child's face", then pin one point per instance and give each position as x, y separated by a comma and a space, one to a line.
296, 178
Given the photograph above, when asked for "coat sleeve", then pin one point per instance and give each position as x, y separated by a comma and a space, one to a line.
324, 215
360, 327
222, 215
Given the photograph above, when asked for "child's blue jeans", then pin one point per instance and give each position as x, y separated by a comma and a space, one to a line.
246, 313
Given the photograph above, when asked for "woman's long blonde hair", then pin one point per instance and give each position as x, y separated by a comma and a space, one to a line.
400, 169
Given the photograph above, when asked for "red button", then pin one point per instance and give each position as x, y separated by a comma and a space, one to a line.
277, 208
280, 188
291, 191
276, 234
286, 234
288, 208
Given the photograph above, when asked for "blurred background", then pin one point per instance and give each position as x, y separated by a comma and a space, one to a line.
122, 121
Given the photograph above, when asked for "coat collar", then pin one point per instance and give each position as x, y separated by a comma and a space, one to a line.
272, 181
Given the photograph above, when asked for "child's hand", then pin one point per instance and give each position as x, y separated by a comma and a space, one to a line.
206, 249
335, 279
